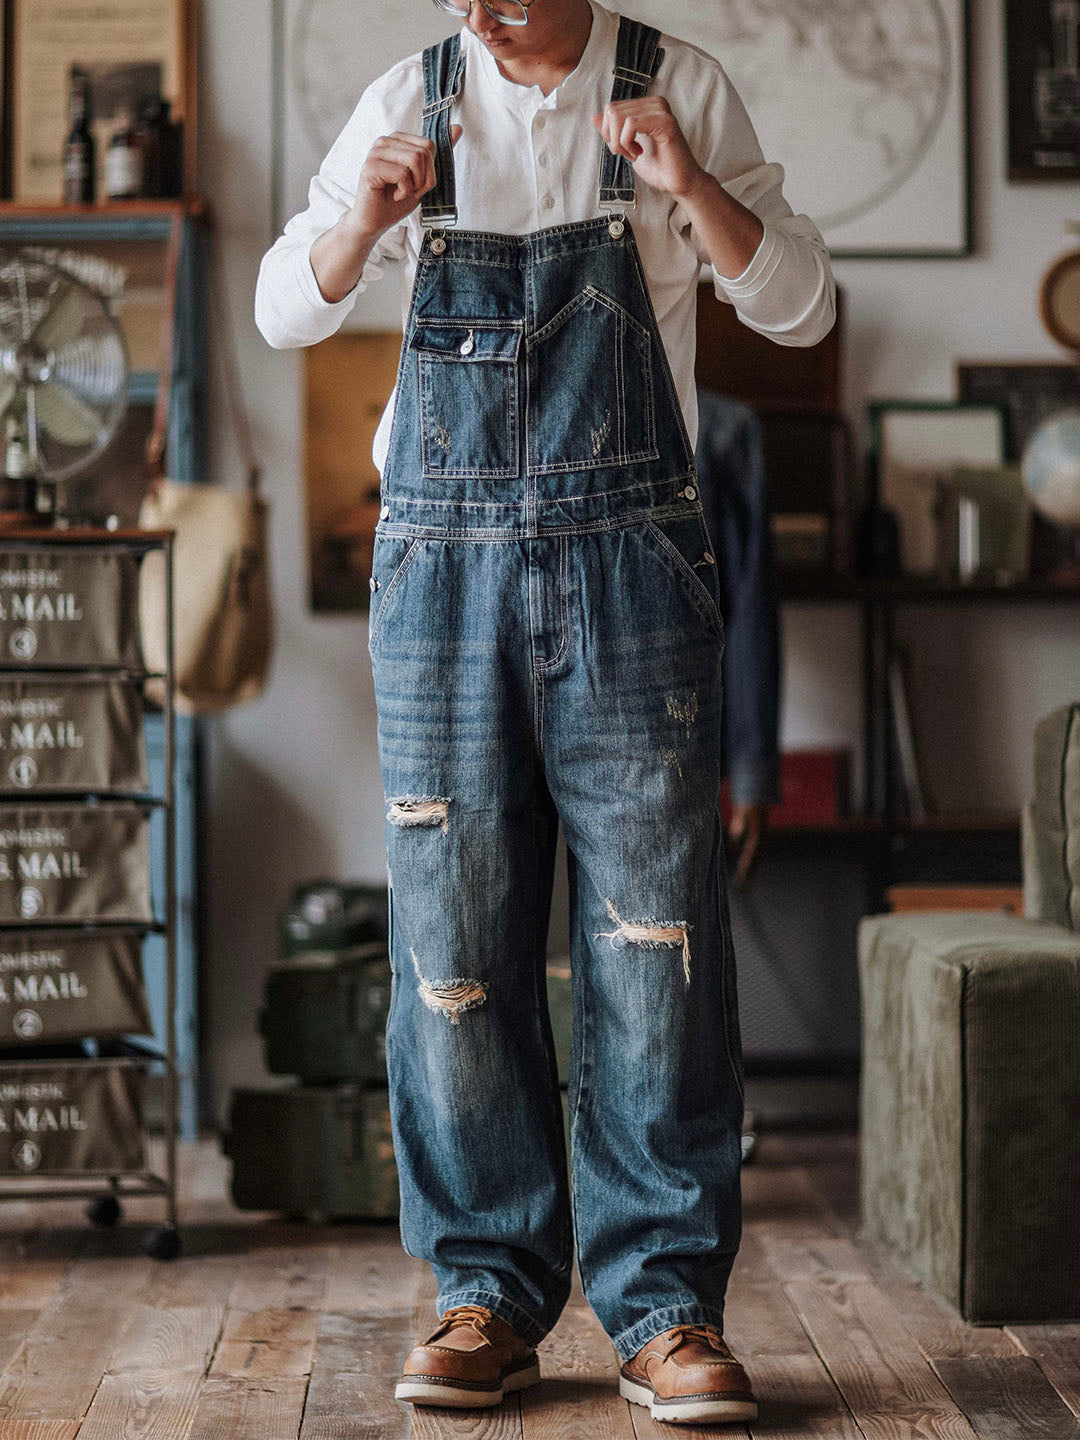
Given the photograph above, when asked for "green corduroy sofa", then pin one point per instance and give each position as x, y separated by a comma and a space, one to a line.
970, 1083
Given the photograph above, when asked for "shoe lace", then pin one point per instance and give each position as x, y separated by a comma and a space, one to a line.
709, 1333
475, 1315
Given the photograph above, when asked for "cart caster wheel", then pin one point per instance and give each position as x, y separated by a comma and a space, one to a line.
104, 1210
163, 1243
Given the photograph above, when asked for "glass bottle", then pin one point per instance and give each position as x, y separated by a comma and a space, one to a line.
80, 151
123, 158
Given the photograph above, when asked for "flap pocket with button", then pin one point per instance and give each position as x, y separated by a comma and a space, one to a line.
455, 340
468, 381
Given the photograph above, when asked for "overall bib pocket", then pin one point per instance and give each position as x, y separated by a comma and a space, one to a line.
591, 401
468, 382
391, 557
682, 544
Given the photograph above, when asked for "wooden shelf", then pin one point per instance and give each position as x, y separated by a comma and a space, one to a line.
107, 220
904, 589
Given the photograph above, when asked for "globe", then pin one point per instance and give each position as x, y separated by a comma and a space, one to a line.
1051, 467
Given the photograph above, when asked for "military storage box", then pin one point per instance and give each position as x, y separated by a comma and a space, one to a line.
322, 1152
325, 1015
83, 1117
327, 997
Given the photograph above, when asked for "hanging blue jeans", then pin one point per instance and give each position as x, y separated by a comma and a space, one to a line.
546, 643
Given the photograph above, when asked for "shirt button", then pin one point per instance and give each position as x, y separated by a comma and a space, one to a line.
541, 159
384, 513
540, 122
548, 202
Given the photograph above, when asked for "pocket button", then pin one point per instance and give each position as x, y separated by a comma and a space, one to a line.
689, 493
384, 513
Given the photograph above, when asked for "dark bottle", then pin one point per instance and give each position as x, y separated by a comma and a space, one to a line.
80, 151
172, 153
150, 130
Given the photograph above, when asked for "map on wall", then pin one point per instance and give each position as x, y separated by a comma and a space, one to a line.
862, 101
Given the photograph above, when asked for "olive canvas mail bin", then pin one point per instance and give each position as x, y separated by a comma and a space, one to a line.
80, 1117
325, 1015
315, 1150
58, 985
63, 734
63, 862
74, 605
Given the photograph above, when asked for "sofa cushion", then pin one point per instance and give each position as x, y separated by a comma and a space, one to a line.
970, 1107
1051, 824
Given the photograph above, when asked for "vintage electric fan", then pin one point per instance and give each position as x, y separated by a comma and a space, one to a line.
63, 376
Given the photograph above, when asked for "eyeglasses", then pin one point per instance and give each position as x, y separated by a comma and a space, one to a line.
509, 12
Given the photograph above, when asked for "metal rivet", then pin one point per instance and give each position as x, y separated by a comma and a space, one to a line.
384, 513
438, 245
709, 559
689, 493
373, 584
468, 345
615, 229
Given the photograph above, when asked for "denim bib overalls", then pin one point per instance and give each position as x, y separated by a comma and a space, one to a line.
546, 645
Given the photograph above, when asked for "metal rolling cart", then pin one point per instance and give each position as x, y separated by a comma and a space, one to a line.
103, 1185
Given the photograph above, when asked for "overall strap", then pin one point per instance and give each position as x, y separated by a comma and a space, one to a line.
444, 71
637, 59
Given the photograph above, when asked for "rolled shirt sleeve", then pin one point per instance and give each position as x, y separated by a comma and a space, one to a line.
787, 291
290, 309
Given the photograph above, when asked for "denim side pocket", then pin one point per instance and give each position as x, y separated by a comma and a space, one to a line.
391, 557
682, 541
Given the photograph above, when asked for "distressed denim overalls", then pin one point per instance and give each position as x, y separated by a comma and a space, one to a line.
546, 644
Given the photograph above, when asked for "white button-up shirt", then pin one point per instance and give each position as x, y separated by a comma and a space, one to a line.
527, 160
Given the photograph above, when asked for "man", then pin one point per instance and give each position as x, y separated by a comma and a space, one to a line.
546, 640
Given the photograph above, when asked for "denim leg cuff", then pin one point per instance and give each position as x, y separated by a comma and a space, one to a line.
629, 1342
529, 1330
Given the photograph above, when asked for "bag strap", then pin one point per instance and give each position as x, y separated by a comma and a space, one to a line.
220, 329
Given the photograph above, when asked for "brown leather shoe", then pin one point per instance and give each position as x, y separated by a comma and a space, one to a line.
472, 1358
688, 1374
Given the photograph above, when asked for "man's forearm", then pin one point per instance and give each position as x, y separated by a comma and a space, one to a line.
338, 257
731, 233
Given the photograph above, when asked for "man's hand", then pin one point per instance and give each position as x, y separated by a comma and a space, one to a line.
398, 172
648, 135
747, 825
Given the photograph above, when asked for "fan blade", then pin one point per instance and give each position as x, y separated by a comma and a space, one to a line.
63, 416
62, 321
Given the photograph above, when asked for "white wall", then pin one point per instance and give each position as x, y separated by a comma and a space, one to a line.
292, 789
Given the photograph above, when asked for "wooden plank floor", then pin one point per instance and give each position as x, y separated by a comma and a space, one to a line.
266, 1330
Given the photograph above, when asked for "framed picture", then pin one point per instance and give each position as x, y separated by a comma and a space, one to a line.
1030, 390
348, 379
130, 48
1042, 62
916, 443
326, 53
865, 106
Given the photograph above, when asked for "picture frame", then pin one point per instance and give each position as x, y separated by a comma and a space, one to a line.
914, 442
871, 126
1030, 390
49, 36
1042, 70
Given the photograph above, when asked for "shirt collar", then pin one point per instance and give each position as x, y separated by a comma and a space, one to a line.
596, 59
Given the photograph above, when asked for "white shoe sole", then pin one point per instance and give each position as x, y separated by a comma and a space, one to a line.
686, 1411
419, 1391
